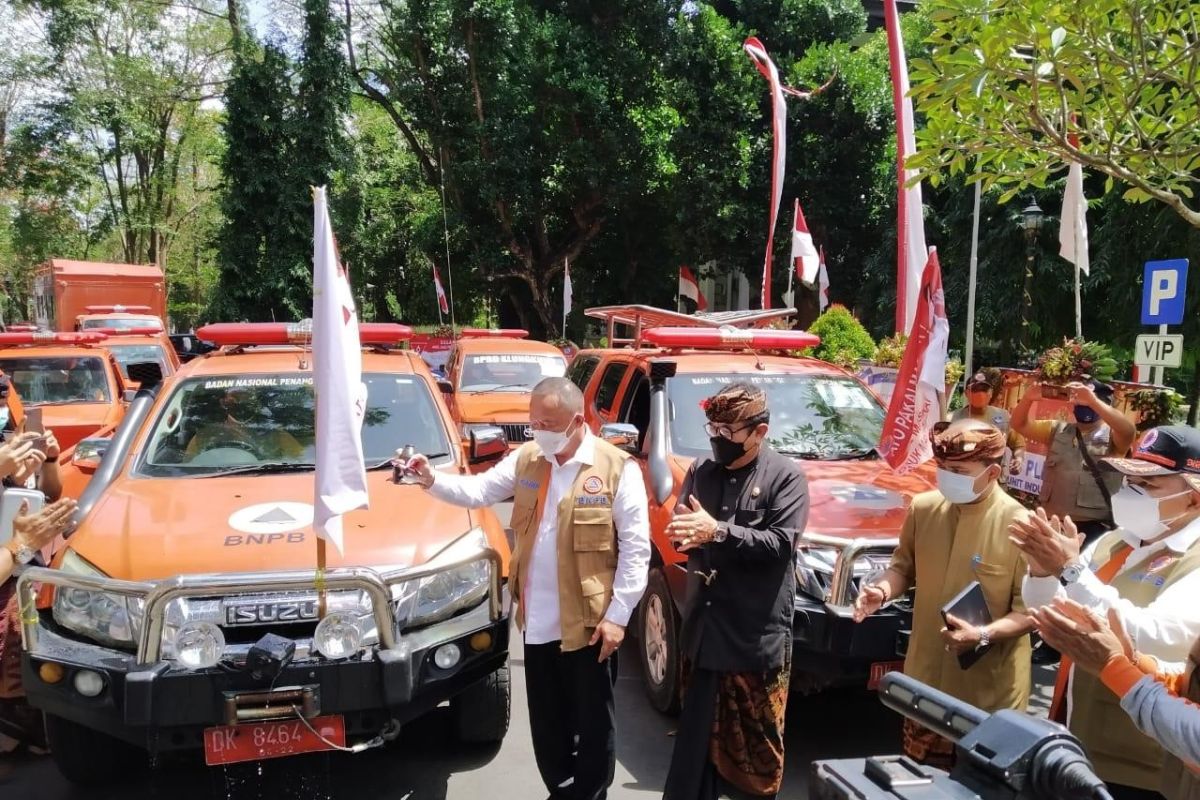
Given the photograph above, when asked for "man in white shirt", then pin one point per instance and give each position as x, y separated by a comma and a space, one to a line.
579, 567
1147, 571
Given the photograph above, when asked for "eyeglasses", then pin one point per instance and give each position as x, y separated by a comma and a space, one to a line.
725, 431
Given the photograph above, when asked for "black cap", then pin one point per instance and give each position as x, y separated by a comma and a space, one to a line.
1166, 450
979, 379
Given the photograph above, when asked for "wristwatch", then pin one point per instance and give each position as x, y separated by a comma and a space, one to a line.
985, 639
1070, 573
721, 533
21, 553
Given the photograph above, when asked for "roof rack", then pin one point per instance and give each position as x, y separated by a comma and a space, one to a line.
642, 318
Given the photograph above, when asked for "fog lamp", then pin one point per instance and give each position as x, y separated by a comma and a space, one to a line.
199, 645
481, 641
50, 672
447, 656
88, 683
338, 636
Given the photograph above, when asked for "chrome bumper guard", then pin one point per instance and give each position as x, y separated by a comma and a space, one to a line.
841, 587
159, 594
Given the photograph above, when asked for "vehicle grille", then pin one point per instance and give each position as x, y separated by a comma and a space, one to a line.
249, 634
516, 433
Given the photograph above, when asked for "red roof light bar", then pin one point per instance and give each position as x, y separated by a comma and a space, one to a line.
494, 333
144, 331
51, 338
284, 333
730, 338
117, 309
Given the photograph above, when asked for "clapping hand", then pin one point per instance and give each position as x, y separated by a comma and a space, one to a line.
1049, 543
1082, 634
35, 531
692, 525
871, 598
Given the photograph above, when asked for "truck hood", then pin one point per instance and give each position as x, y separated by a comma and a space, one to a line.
154, 528
74, 421
494, 407
861, 498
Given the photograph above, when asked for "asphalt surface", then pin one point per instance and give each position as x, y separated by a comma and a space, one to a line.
426, 763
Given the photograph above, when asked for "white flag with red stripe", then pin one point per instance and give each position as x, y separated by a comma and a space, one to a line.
443, 306
805, 257
911, 253
758, 53
689, 287
823, 283
341, 475
916, 405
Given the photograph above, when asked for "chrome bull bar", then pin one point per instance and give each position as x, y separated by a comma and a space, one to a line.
157, 595
841, 586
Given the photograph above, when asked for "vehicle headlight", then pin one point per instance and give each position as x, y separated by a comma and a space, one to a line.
443, 594
106, 618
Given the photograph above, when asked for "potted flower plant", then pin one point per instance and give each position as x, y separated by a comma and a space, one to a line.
1073, 360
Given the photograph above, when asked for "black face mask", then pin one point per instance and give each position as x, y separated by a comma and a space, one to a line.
726, 451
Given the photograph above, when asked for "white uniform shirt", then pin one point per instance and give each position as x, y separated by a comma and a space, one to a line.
630, 515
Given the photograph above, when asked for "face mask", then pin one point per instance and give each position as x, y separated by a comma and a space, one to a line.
1085, 415
957, 488
726, 451
551, 443
1138, 512
3, 417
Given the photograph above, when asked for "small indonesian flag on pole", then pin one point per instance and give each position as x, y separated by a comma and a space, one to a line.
341, 476
804, 252
689, 287
911, 253
916, 404
443, 306
823, 284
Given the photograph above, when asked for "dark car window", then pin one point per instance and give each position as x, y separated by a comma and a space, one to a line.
610, 381
46, 380
581, 371
635, 410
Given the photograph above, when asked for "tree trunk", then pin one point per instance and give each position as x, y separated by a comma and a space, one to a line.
235, 25
1194, 398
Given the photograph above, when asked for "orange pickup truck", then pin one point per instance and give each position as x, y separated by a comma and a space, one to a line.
647, 394
186, 611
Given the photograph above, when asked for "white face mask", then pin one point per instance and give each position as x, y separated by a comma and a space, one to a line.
1137, 511
551, 443
957, 488
3, 416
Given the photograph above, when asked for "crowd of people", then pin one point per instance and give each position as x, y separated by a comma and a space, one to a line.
1106, 570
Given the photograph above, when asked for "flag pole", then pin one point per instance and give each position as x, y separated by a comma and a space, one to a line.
1078, 306
968, 358
446, 232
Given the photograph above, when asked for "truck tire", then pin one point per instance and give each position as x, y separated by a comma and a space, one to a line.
90, 758
658, 641
482, 712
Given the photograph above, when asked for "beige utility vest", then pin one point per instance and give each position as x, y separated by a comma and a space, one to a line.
587, 537
1119, 751
1068, 487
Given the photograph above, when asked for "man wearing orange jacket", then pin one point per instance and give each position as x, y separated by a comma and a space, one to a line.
1163, 700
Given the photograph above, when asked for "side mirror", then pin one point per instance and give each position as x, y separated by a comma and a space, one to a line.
488, 443
445, 385
145, 373
130, 393
621, 435
89, 452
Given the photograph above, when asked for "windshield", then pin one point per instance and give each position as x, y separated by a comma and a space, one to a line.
121, 322
58, 379
509, 372
127, 354
812, 416
212, 425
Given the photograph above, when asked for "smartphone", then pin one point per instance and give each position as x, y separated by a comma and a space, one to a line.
11, 502
33, 420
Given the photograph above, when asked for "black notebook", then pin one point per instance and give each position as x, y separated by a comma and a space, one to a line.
970, 606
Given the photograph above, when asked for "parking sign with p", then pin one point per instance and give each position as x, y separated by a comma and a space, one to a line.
1163, 292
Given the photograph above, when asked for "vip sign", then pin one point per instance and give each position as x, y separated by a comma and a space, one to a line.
1164, 350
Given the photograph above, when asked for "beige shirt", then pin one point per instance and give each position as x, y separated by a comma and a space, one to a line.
943, 548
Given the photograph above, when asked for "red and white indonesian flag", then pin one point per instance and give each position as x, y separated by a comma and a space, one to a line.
443, 306
689, 287
341, 475
804, 253
758, 54
911, 254
1072, 232
916, 404
823, 284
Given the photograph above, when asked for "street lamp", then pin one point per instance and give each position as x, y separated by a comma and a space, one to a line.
1031, 222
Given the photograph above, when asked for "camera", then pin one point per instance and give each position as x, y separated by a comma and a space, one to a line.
1007, 755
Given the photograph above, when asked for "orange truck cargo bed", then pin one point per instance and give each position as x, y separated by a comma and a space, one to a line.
64, 289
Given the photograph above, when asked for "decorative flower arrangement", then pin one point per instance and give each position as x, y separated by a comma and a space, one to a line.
1156, 407
890, 351
704, 404
954, 371
1076, 360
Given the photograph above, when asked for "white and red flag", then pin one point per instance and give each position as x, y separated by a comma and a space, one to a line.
805, 257
341, 475
443, 306
689, 287
916, 403
758, 54
1073, 232
911, 253
823, 284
